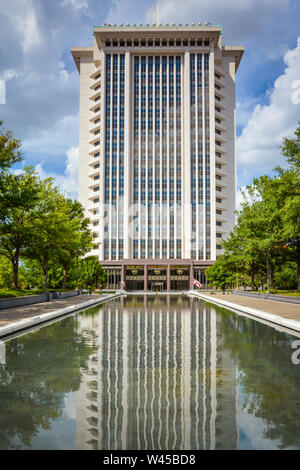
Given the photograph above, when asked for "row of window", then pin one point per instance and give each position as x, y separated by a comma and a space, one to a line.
157, 42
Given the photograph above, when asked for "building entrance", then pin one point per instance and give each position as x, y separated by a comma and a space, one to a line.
157, 286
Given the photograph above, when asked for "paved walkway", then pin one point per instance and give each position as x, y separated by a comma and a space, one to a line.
283, 309
10, 315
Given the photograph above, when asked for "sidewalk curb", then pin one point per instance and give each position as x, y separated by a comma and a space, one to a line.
277, 319
28, 322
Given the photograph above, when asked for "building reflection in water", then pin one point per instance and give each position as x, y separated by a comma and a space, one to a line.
158, 378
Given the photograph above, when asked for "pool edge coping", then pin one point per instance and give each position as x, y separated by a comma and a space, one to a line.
271, 317
20, 325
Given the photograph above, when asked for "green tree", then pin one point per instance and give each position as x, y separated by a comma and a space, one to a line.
222, 273
91, 273
56, 221
21, 200
76, 238
10, 152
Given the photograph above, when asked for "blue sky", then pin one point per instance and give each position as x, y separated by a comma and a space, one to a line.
42, 82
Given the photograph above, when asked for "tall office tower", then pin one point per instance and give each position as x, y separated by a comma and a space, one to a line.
157, 166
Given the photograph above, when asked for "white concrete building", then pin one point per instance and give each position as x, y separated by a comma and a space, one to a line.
157, 165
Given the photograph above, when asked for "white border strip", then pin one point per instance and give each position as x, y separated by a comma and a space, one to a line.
29, 322
270, 317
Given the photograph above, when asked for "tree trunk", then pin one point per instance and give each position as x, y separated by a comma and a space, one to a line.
15, 263
65, 278
45, 269
271, 275
252, 277
15, 282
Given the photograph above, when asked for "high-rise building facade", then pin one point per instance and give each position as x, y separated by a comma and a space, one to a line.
157, 166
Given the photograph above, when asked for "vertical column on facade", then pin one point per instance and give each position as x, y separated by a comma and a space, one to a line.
203, 160
139, 162
102, 155
186, 220
167, 213
123, 273
110, 155
160, 158
168, 277
175, 159
146, 168
145, 277
191, 276
212, 156
116, 203
127, 156
197, 158
153, 158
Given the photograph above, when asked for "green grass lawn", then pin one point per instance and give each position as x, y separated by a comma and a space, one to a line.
6, 292
295, 293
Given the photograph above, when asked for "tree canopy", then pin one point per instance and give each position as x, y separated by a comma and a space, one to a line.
266, 237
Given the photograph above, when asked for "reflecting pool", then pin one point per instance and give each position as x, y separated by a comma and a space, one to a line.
150, 372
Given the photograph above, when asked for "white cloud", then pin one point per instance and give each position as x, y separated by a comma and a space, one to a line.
27, 26
253, 20
68, 182
76, 4
258, 145
239, 197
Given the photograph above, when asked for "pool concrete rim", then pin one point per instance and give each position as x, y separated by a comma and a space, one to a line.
293, 325
27, 323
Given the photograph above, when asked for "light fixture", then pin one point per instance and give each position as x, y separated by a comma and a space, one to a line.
157, 272
127, 24
134, 272
193, 24
121, 24
179, 272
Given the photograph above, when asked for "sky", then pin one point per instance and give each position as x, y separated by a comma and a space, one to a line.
39, 83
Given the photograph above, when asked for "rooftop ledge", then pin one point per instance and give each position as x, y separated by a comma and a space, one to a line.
160, 28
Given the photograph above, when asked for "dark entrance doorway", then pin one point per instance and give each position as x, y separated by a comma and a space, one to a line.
157, 286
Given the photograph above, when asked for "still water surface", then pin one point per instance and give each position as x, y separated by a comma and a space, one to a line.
150, 372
